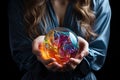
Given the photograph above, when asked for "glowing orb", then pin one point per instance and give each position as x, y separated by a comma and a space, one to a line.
60, 43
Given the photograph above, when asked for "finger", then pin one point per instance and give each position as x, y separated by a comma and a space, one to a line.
50, 66
72, 64
80, 56
57, 64
54, 66
66, 67
35, 48
74, 61
84, 53
69, 66
36, 43
58, 67
83, 47
85, 50
48, 61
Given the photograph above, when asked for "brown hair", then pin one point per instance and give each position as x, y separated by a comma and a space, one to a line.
35, 11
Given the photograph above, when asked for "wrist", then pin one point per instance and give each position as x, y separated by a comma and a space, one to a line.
82, 69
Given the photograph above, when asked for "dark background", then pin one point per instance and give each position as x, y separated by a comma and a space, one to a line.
9, 70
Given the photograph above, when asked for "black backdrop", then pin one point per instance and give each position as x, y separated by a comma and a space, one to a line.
9, 70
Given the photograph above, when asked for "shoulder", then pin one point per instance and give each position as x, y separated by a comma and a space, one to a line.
102, 6
15, 3
98, 3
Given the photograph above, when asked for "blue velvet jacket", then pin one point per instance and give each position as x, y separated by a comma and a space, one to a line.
21, 48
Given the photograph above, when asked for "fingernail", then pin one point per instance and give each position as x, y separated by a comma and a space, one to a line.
82, 55
53, 59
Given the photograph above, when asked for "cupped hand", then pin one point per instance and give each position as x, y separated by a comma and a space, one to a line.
49, 63
83, 51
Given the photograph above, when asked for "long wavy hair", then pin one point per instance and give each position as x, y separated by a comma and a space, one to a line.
35, 11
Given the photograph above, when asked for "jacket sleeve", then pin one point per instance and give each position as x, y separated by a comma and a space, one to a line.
20, 44
98, 47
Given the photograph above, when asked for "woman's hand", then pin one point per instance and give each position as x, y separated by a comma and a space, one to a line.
73, 62
50, 63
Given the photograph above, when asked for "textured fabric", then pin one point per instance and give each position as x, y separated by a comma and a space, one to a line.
21, 45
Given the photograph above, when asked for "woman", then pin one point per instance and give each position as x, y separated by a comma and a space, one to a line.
30, 20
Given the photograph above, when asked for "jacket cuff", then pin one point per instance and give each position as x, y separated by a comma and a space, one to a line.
82, 69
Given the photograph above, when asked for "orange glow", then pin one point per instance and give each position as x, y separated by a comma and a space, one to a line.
52, 53
42, 50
